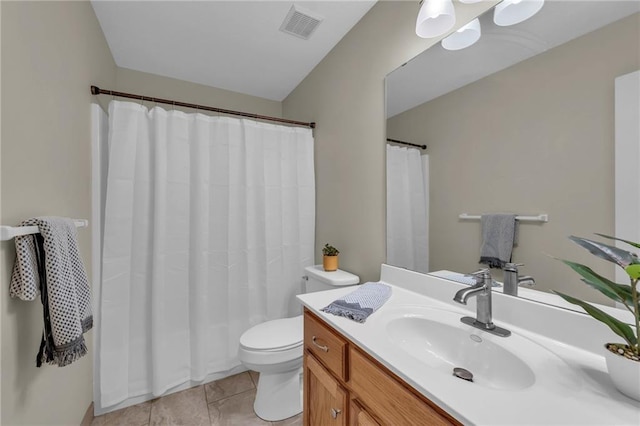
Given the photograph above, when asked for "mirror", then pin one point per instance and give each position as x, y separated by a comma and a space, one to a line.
520, 122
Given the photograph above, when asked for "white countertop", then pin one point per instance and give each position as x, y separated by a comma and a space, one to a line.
580, 394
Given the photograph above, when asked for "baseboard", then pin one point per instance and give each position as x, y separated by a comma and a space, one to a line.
88, 416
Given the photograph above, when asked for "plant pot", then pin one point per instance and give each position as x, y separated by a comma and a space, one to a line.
330, 263
624, 372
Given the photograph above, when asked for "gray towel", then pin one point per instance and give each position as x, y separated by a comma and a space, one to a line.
498, 239
361, 303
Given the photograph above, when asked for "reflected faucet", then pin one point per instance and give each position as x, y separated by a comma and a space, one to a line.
512, 280
482, 291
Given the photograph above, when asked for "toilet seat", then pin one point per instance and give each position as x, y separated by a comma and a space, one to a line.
275, 349
274, 336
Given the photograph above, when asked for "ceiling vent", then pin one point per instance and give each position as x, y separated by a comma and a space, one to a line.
300, 23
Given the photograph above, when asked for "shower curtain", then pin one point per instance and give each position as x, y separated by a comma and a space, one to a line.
209, 222
407, 208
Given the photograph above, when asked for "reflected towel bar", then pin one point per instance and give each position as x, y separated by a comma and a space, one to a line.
9, 232
539, 218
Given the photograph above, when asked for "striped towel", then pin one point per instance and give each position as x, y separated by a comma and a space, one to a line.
360, 303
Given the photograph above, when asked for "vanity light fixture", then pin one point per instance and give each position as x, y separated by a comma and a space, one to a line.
464, 37
435, 18
511, 12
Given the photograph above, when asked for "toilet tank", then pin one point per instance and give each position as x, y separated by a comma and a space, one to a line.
317, 279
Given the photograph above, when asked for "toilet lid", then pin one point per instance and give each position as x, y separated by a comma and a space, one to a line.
274, 335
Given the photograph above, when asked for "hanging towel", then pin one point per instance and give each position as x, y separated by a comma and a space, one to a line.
498, 238
360, 303
49, 264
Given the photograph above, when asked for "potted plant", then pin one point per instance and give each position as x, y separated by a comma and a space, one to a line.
623, 359
330, 258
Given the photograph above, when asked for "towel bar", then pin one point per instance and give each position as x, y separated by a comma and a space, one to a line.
9, 232
538, 218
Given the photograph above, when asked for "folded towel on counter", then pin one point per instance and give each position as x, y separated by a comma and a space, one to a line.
498, 239
49, 264
360, 303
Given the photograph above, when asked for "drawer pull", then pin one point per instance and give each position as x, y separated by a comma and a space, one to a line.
324, 348
335, 412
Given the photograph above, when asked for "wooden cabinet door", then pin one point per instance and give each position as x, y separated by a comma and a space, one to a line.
359, 416
325, 401
389, 399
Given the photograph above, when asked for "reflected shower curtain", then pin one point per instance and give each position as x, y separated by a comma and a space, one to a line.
209, 222
407, 208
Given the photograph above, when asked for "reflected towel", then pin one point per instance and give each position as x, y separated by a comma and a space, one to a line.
361, 303
498, 238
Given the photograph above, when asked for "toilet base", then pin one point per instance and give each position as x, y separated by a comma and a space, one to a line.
279, 395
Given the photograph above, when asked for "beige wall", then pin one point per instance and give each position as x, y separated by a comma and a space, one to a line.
535, 138
344, 94
142, 83
51, 53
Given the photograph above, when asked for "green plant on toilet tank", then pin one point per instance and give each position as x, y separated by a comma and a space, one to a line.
330, 258
627, 295
328, 250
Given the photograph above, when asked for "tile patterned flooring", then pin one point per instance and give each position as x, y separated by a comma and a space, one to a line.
225, 402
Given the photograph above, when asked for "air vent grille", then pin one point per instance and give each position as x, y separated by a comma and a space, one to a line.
300, 23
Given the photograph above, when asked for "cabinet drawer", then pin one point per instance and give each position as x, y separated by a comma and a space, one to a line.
389, 400
327, 346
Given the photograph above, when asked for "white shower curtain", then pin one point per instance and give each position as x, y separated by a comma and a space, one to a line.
209, 222
407, 208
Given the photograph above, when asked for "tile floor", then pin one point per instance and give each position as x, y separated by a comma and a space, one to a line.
225, 402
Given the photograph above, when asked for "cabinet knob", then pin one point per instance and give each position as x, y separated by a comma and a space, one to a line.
335, 412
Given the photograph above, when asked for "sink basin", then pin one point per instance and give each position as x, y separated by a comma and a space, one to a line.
437, 339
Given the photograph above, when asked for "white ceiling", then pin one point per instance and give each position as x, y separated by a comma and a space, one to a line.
438, 71
233, 45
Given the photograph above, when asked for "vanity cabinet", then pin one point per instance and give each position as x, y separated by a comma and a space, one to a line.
345, 386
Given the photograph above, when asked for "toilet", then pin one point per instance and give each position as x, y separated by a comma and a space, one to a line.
274, 349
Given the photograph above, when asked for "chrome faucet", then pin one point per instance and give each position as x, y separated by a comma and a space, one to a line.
482, 290
512, 280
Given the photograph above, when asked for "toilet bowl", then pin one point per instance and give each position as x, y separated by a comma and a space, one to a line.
274, 349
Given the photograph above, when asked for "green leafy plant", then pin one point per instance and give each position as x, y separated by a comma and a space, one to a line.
625, 294
328, 250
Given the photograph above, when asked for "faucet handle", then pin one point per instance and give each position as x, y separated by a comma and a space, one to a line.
483, 277
512, 267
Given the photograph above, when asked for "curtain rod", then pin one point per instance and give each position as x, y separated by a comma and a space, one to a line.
407, 143
95, 90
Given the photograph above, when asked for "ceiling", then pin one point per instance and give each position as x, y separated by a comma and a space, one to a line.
233, 45
438, 71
